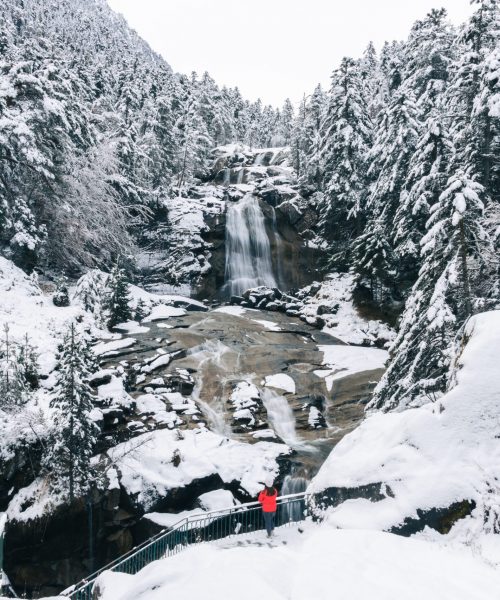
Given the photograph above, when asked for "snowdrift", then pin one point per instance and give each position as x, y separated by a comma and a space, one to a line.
442, 453
320, 564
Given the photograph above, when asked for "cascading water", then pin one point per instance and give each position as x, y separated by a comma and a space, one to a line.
210, 354
280, 416
248, 251
294, 484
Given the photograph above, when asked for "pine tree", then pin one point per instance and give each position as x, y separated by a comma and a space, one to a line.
395, 142
283, 135
441, 299
27, 360
141, 311
75, 434
117, 302
346, 133
312, 141
373, 261
14, 390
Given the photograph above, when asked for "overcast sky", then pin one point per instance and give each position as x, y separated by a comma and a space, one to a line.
273, 49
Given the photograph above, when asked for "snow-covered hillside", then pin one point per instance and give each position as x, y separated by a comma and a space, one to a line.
430, 457
321, 562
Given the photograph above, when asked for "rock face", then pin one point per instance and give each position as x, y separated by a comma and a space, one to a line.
46, 555
187, 243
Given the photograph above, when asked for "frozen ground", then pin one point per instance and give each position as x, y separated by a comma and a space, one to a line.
321, 563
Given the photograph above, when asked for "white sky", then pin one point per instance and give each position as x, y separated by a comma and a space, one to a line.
273, 49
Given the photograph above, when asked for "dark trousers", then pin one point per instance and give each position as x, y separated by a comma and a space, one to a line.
269, 521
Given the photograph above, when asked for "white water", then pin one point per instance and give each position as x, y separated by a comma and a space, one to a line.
248, 251
210, 353
280, 416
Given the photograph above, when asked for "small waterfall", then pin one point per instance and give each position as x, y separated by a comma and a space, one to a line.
210, 355
241, 175
294, 484
248, 251
280, 416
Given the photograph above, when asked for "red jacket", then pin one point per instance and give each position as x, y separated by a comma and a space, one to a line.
268, 501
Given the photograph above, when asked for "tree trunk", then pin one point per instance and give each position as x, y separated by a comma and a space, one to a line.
487, 152
465, 271
71, 423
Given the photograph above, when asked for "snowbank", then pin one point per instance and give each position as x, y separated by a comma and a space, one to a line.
431, 456
280, 381
26, 311
342, 320
148, 471
321, 564
343, 361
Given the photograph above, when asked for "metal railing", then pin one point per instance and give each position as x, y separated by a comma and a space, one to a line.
196, 529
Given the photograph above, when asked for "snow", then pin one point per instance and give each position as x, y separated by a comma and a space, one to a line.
217, 500
164, 312
131, 327
236, 311
25, 309
168, 520
264, 433
161, 361
110, 348
270, 325
115, 390
147, 470
280, 381
149, 403
343, 320
431, 456
321, 563
343, 361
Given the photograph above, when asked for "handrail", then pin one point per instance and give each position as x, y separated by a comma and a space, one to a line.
186, 535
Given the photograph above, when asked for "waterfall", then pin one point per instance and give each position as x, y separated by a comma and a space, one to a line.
248, 251
293, 484
280, 416
210, 355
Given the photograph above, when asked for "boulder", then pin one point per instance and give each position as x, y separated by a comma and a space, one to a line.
291, 211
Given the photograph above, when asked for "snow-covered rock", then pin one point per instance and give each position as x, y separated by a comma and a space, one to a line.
280, 381
433, 456
342, 361
149, 472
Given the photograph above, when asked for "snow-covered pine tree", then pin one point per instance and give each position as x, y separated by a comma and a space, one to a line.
193, 142
117, 300
141, 311
283, 134
346, 133
61, 293
311, 173
372, 77
441, 299
395, 142
68, 457
427, 55
90, 292
373, 261
27, 361
14, 389
474, 124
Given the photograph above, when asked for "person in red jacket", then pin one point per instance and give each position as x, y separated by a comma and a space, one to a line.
268, 500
